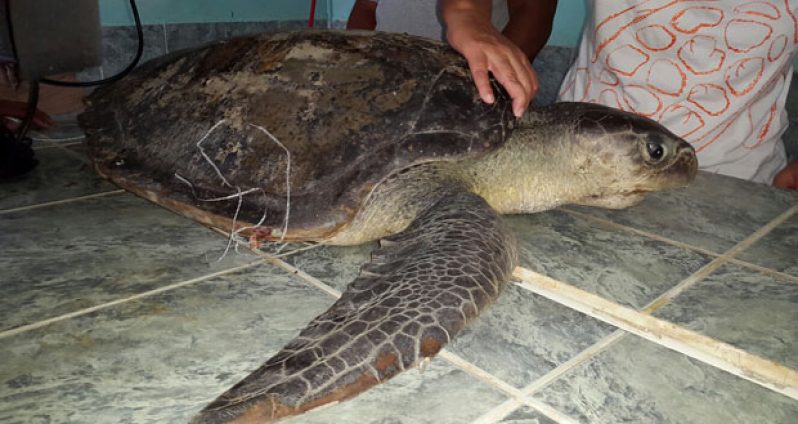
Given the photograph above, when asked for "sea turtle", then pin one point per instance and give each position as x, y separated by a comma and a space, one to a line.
343, 138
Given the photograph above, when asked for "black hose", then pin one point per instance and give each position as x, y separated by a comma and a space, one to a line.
30, 111
17, 156
122, 73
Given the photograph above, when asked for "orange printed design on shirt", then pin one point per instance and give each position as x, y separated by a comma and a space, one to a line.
794, 21
689, 120
693, 19
756, 34
710, 98
639, 13
743, 75
651, 38
641, 100
701, 55
697, 66
777, 48
666, 77
761, 9
626, 59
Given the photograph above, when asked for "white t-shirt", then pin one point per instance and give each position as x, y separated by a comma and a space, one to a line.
716, 73
422, 17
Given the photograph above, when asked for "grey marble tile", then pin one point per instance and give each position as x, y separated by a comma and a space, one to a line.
639, 382
236, 29
751, 311
526, 415
190, 35
615, 264
156, 360
66, 257
715, 212
442, 394
778, 250
66, 130
336, 266
120, 44
299, 24
60, 175
524, 336
338, 24
183, 36
90, 74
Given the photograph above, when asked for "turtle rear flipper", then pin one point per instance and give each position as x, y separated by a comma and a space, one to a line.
420, 290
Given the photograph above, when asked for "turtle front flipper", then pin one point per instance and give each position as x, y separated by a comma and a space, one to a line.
420, 289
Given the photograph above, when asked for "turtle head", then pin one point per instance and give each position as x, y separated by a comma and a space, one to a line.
624, 156
582, 153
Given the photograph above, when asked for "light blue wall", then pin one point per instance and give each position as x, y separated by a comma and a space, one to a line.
341, 8
117, 12
567, 23
566, 32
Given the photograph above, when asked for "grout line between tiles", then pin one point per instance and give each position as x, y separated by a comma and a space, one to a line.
74, 154
74, 314
165, 42
519, 398
711, 351
764, 270
645, 234
728, 255
479, 373
506, 408
670, 294
574, 362
500, 412
315, 282
44, 144
515, 394
717, 262
450, 357
761, 232
61, 202
659, 301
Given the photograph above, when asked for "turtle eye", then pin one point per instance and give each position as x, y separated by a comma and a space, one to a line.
655, 151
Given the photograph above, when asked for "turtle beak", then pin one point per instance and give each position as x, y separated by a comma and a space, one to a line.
683, 168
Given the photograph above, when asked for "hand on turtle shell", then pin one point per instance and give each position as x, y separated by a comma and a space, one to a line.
470, 32
787, 178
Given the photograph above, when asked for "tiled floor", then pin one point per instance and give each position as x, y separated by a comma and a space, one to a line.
115, 310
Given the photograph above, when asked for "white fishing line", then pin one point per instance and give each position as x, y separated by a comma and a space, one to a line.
239, 194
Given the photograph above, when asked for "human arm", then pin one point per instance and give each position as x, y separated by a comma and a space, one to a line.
14, 109
530, 24
787, 178
507, 56
363, 15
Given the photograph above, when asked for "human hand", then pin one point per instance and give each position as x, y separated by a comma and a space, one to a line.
487, 50
787, 178
17, 110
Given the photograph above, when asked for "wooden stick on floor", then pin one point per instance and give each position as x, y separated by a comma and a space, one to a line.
721, 355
